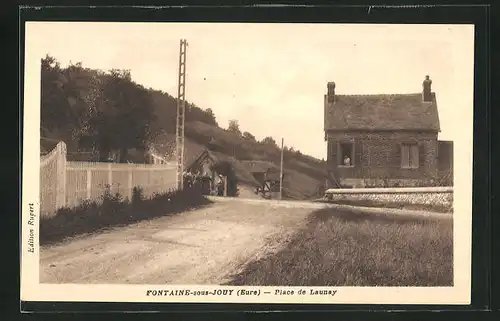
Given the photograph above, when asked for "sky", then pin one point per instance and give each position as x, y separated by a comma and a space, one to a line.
272, 77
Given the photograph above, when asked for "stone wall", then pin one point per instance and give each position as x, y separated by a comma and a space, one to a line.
433, 196
377, 182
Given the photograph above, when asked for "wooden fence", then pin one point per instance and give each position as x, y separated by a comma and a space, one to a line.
67, 184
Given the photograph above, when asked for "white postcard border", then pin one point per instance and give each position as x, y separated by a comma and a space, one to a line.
32, 290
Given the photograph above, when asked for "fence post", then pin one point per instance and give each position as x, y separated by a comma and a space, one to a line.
110, 177
89, 183
61, 176
165, 182
130, 187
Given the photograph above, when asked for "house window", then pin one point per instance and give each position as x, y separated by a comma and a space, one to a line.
409, 156
346, 154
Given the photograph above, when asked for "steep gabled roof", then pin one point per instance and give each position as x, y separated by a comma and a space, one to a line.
241, 172
47, 145
271, 170
381, 112
258, 166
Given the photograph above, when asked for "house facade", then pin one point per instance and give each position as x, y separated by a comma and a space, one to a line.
384, 140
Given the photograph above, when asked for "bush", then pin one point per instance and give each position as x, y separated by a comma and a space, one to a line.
445, 178
113, 211
137, 195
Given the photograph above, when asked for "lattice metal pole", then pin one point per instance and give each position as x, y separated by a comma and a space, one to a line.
181, 107
281, 169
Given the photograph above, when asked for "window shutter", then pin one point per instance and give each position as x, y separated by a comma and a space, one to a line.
405, 156
414, 156
397, 155
339, 154
358, 152
421, 155
332, 151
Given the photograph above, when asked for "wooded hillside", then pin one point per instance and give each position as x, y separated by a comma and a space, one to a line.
106, 110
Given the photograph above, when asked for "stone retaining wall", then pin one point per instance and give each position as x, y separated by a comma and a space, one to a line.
433, 196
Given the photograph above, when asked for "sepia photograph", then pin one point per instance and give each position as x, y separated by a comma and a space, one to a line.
247, 162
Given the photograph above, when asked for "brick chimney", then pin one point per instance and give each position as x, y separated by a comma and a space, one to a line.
426, 89
331, 92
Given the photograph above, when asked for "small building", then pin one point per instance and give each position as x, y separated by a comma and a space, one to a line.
47, 145
155, 155
384, 140
268, 176
203, 166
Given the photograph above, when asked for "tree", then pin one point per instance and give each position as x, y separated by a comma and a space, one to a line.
54, 104
121, 74
248, 136
63, 109
124, 117
269, 141
234, 127
211, 116
166, 144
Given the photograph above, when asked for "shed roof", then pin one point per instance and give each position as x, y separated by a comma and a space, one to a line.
381, 112
47, 145
258, 166
241, 172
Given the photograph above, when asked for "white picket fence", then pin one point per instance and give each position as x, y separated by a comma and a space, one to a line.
67, 184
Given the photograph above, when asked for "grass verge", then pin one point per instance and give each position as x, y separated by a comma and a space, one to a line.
113, 210
356, 249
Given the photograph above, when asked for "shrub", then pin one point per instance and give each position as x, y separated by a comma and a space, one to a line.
445, 178
137, 195
114, 210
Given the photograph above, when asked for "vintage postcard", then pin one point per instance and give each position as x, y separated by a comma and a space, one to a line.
247, 163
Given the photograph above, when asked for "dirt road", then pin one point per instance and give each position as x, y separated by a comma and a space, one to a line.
203, 246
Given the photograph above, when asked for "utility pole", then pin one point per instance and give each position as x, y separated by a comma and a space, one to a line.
225, 185
181, 107
281, 170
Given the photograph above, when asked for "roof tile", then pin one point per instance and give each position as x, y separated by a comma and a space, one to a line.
381, 112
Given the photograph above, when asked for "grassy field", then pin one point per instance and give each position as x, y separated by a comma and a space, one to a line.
354, 249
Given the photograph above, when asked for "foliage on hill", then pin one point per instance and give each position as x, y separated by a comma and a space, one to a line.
108, 111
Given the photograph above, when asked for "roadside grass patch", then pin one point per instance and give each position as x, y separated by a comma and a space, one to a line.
113, 210
355, 249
